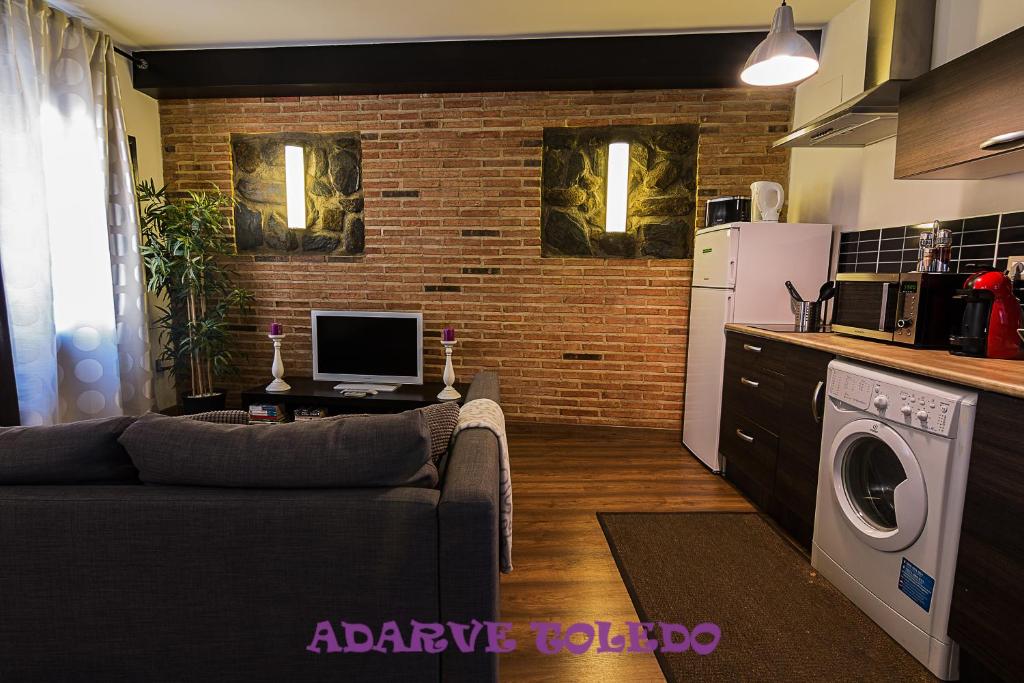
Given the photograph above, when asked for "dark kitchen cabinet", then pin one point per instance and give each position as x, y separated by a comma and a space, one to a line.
796, 476
965, 119
985, 617
770, 434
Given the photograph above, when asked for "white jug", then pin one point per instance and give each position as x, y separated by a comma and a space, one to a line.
768, 198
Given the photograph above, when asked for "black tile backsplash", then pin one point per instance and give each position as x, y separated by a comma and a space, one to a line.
1011, 234
978, 242
981, 223
1013, 219
979, 237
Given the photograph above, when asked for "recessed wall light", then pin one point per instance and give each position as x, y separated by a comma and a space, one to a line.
618, 187
295, 186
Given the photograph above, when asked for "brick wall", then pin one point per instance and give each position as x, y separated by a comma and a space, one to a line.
452, 187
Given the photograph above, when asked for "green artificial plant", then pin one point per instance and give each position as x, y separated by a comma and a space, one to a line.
183, 245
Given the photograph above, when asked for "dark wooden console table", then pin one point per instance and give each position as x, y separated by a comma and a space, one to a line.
306, 393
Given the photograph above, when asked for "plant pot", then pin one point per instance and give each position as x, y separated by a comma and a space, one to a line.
190, 405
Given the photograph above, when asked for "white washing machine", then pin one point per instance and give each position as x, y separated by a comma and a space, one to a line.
893, 471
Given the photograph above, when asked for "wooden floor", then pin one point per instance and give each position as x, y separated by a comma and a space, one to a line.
564, 571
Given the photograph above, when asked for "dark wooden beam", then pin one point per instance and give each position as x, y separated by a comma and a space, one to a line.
693, 60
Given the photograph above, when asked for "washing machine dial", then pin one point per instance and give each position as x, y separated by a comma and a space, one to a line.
922, 415
907, 411
881, 401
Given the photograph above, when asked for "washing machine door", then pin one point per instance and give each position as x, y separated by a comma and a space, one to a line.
878, 485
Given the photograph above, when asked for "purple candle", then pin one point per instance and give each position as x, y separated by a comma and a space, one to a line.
276, 330
448, 334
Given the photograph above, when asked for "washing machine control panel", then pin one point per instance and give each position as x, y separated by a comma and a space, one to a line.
928, 411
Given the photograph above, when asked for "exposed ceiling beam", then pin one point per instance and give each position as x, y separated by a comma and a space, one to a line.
691, 60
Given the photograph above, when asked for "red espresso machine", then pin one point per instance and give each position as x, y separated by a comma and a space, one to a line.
991, 318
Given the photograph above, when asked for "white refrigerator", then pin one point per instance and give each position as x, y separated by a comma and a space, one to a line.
739, 275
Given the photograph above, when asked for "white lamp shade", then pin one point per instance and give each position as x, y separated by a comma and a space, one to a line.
783, 57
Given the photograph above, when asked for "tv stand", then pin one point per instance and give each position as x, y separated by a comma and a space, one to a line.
360, 386
307, 393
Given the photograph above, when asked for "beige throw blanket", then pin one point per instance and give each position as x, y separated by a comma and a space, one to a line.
484, 413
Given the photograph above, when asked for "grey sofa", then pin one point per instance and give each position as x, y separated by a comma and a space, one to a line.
131, 582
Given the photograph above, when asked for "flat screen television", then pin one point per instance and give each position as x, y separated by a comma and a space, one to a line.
368, 346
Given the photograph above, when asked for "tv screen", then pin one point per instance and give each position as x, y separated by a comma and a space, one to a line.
365, 346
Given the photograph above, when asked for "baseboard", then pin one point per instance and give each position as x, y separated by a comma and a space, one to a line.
592, 431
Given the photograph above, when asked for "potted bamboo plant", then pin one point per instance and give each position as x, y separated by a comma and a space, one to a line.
183, 245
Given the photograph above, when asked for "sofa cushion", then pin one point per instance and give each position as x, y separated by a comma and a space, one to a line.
376, 450
441, 421
73, 453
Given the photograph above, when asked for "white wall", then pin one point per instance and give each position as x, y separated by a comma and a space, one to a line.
854, 188
142, 119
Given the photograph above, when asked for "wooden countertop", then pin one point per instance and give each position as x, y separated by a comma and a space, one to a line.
1000, 376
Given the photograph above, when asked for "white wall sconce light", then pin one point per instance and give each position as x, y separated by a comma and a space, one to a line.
295, 186
618, 187
783, 57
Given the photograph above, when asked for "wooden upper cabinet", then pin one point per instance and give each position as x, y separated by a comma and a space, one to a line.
965, 119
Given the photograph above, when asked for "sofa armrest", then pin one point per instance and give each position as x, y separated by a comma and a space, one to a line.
468, 530
484, 385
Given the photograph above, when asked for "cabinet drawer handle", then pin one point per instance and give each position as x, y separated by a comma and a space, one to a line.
751, 347
750, 382
745, 437
1004, 141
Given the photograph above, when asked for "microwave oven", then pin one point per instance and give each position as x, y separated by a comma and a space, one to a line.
916, 309
727, 210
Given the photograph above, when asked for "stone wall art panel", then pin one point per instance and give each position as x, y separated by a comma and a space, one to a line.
333, 191
660, 200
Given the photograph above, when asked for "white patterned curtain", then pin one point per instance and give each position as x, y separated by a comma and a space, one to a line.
69, 242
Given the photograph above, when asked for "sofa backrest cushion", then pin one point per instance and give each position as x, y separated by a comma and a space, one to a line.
73, 453
369, 451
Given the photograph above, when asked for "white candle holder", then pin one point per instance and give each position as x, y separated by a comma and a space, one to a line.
448, 393
277, 369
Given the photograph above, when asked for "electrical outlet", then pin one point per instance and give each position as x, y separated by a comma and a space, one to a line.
1015, 267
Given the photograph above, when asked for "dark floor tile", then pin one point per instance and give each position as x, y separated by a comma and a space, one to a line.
981, 223
1013, 219
979, 237
894, 233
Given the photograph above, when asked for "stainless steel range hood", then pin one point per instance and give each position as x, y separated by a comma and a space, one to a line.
899, 49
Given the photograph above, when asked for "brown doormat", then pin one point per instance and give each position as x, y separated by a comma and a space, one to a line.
779, 620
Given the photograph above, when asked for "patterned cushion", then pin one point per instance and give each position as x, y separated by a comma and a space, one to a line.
441, 421
224, 417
